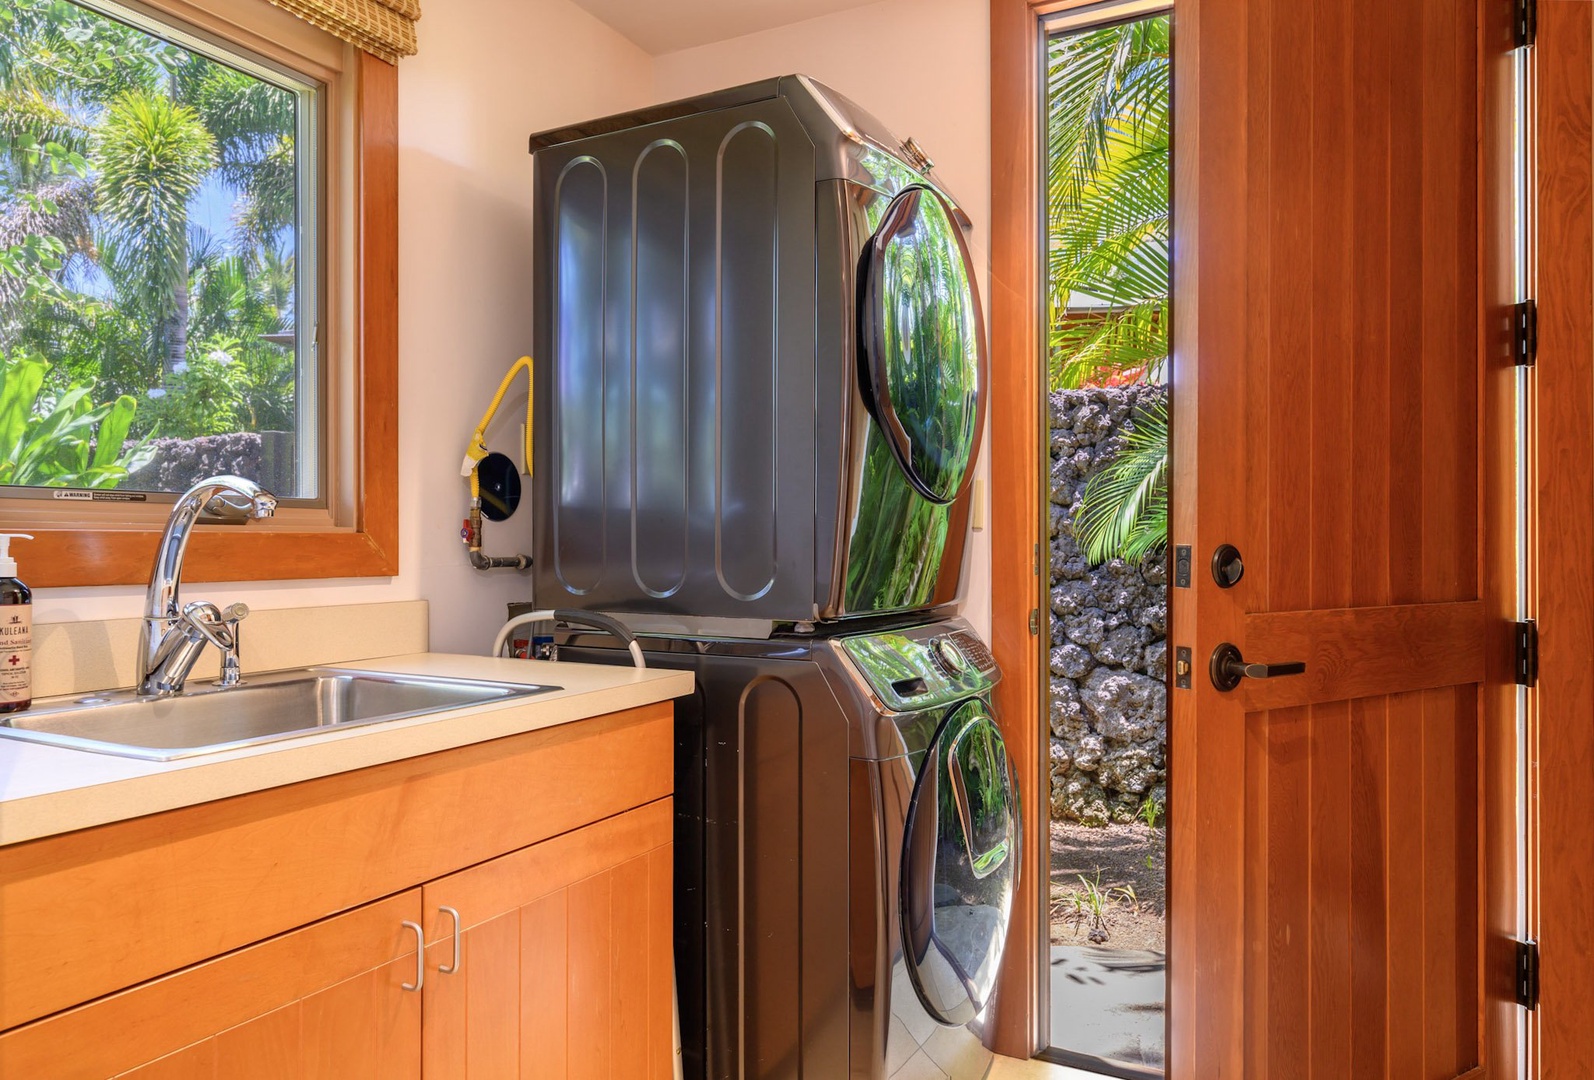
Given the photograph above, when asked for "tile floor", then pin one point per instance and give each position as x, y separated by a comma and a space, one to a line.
1004, 1068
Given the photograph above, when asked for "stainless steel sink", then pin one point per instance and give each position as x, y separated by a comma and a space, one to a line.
266, 708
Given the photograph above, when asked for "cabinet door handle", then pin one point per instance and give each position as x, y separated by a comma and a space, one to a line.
454, 966
420, 956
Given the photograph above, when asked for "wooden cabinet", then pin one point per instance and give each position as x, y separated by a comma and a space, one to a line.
564, 961
324, 1001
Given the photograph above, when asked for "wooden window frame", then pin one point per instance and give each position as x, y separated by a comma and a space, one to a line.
357, 534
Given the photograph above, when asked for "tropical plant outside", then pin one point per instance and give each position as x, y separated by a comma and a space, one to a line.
147, 245
1108, 215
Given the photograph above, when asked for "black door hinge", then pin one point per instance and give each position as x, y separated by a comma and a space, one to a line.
1524, 23
1526, 636
1527, 974
1525, 334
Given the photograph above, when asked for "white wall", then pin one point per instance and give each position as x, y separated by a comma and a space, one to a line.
489, 73
922, 67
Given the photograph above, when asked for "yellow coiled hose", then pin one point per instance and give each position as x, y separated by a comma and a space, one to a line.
476, 450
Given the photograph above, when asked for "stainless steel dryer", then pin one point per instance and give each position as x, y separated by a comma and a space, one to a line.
847, 846
760, 376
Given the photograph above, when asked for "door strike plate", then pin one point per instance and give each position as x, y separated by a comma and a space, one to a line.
1181, 667
1181, 566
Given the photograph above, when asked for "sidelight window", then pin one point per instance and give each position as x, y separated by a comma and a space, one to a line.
1107, 117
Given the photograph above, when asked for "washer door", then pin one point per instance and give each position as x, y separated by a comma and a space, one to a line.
923, 352
960, 859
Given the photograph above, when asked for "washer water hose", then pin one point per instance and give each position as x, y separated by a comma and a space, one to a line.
475, 451
580, 618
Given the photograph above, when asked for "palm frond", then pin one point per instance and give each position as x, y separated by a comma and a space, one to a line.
1124, 510
153, 154
1125, 344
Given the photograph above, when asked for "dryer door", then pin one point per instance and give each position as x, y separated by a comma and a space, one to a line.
960, 859
923, 351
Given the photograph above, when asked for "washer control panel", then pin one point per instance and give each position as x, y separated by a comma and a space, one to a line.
922, 667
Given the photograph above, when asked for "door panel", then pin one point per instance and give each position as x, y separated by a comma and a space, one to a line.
1325, 916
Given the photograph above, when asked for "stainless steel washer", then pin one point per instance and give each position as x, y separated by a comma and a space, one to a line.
847, 849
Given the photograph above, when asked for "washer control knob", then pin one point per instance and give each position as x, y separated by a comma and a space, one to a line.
947, 657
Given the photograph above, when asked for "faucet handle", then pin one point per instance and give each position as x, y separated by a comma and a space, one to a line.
235, 613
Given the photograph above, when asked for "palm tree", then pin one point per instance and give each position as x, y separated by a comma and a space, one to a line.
155, 122
153, 154
1108, 159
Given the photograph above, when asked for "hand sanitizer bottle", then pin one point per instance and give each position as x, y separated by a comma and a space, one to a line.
16, 632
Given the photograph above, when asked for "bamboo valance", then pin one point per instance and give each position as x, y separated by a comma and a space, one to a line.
384, 28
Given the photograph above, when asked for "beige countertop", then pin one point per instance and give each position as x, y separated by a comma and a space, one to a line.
46, 790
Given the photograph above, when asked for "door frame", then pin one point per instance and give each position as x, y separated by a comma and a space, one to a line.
1019, 512
1016, 313
1560, 527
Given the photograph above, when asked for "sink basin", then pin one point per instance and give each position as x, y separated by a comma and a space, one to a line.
265, 708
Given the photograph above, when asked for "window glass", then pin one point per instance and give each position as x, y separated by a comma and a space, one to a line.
157, 259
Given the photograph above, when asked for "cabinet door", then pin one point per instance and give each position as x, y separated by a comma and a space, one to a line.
326, 1001
564, 962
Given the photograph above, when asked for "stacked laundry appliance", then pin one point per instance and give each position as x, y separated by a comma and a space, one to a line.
759, 396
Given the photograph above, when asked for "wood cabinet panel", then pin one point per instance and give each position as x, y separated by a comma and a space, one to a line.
197, 1062
325, 1001
544, 1003
330, 844
566, 958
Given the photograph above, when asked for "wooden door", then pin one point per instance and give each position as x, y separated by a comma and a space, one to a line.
564, 967
1329, 848
323, 1003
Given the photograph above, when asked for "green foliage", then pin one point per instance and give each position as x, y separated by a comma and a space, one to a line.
153, 154
1124, 511
218, 391
67, 441
109, 139
1092, 906
1109, 234
1150, 812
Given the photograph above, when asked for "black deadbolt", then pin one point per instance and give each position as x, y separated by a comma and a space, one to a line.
1227, 566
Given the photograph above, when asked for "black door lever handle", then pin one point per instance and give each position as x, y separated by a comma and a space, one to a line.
1228, 667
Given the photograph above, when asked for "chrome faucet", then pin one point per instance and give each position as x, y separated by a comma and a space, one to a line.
172, 637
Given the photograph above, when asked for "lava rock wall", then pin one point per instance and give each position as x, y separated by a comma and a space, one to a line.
1109, 626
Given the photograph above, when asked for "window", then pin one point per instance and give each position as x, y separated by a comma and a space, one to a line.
159, 279
196, 276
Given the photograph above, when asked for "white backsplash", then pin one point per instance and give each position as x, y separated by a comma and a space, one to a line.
74, 657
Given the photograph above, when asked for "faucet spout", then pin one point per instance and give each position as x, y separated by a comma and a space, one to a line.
162, 664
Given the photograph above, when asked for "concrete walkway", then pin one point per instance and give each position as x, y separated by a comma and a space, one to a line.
1109, 1004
